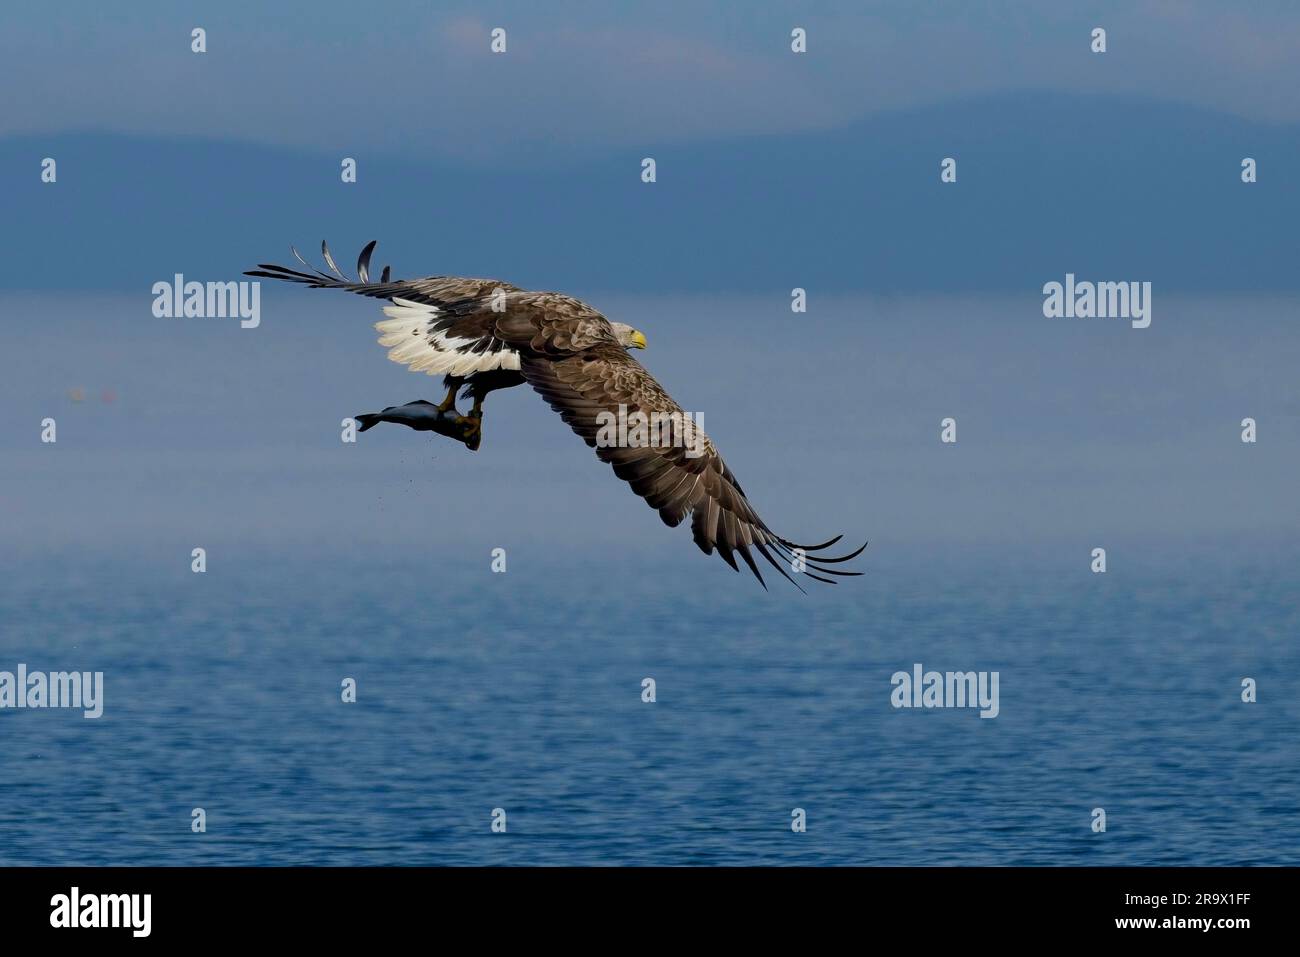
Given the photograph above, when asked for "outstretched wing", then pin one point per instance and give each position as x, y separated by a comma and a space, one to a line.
438, 324
677, 478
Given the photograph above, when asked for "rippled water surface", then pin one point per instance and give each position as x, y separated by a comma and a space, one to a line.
222, 692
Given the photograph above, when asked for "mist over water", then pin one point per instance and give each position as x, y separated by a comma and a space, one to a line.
1067, 429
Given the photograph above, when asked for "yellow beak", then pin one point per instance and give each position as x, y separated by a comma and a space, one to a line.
638, 339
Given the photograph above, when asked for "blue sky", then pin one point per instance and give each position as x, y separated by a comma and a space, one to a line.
410, 77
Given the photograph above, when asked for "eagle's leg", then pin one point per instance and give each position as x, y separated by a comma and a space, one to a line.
478, 385
449, 401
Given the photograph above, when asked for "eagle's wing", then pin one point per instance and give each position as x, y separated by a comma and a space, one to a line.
438, 324
676, 479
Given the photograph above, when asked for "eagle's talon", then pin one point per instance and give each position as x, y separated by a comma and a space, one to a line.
471, 429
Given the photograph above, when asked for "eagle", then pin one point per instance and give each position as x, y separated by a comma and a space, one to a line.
482, 335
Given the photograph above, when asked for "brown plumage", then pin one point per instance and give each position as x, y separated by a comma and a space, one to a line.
578, 362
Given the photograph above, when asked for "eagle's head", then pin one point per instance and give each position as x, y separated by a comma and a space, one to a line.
628, 337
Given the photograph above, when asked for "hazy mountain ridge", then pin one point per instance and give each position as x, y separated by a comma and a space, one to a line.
1105, 187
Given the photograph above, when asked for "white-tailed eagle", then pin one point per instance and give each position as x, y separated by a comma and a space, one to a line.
487, 335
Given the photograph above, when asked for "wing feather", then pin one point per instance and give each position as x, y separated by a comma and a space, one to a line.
438, 324
599, 379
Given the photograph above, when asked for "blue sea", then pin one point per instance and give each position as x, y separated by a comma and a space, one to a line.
523, 691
